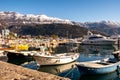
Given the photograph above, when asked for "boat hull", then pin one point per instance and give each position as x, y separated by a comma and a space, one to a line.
13, 54
103, 66
55, 60
104, 70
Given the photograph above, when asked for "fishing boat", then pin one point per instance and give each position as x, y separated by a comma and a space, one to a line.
15, 54
55, 59
98, 67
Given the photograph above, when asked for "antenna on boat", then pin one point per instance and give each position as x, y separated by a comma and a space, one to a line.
89, 33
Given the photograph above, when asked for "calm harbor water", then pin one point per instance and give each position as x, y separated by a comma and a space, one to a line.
87, 53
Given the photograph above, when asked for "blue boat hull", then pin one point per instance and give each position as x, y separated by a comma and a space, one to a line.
104, 70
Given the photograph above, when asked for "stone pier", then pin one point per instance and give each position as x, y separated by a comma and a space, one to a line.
13, 72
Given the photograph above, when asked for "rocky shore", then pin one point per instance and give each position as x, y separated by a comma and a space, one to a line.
13, 72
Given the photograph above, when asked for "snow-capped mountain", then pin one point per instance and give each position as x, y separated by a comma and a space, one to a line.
109, 27
110, 24
30, 18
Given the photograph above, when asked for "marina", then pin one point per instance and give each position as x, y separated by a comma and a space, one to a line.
61, 57
87, 53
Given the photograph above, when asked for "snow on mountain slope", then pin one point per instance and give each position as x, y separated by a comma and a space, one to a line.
110, 24
31, 18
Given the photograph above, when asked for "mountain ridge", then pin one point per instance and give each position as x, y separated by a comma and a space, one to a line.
108, 27
31, 18
111, 24
20, 23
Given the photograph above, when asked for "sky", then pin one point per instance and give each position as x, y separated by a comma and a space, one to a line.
74, 10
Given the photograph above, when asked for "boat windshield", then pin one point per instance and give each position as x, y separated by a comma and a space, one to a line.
95, 37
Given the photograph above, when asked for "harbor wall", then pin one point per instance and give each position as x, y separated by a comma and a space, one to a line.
13, 72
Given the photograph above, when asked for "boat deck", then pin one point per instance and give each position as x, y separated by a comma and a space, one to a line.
95, 65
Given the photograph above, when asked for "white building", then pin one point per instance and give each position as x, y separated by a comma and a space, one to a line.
5, 33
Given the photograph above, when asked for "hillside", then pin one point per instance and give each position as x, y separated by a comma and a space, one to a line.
30, 24
107, 27
62, 30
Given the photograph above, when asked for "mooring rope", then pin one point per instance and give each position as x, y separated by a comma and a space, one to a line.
69, 72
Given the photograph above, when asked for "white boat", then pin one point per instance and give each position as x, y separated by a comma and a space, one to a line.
56, 59
116, 37
97, 39
99, 66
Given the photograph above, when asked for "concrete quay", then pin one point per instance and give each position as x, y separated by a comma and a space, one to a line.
13, 72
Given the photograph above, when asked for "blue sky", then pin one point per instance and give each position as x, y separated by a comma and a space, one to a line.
75, 10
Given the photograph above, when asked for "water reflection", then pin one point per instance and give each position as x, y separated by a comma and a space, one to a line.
57, 69
92, 52
91, 49
73, 74
110, 76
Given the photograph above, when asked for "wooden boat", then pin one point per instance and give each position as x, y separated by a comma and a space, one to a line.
55, 59
14, 54
98, 67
